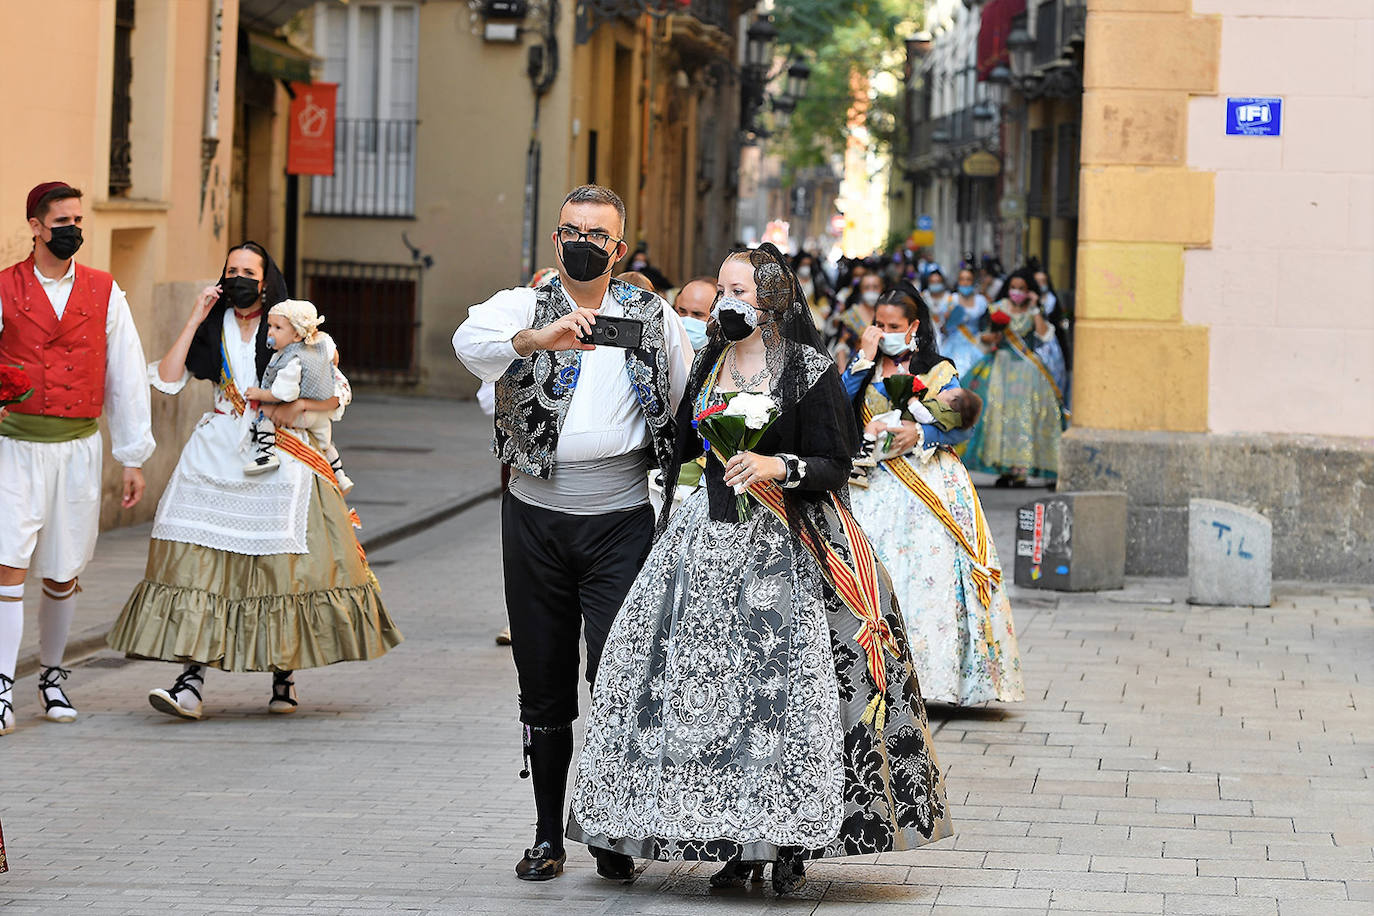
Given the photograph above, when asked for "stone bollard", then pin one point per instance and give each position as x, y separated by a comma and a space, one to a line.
1072, 542
1230, 551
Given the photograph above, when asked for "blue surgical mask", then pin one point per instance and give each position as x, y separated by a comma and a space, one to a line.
965, 289
936, 287
894, 343
696, 331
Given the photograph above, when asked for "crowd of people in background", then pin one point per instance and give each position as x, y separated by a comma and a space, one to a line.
1008, 334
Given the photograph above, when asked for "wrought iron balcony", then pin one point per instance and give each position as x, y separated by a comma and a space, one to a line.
374, 170
592, 13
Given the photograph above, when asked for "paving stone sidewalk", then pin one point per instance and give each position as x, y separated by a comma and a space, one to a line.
1168, 759
412, 460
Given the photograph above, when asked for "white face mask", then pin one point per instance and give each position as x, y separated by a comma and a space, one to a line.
804, 271
871, 297
894, 343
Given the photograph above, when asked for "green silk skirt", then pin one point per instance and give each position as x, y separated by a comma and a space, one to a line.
278, 612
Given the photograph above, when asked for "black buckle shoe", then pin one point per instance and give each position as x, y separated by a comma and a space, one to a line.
540, 863
735, 874
789, 874
613, 866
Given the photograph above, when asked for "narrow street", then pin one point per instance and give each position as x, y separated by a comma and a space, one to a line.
1170, 759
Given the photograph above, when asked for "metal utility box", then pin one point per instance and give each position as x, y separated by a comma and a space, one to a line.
1072, 542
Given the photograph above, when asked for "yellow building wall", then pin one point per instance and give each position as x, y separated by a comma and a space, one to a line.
1140, 207
475, 108
160, 243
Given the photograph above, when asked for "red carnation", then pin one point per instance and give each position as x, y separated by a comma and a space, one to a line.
14, 385
1000, 319
711, 410
918, 387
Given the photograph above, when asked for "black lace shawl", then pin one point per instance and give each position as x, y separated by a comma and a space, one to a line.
814, 422
203, 356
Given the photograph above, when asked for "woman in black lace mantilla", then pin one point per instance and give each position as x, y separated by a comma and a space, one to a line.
756, 700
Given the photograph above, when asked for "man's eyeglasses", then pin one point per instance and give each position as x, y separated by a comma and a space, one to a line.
596, 236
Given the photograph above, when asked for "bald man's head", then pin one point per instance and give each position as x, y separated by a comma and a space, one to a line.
694, 300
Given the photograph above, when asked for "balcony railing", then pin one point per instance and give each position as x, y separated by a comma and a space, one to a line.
711, 12
374, 170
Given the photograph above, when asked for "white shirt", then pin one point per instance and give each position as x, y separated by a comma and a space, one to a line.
604, 419
127, 404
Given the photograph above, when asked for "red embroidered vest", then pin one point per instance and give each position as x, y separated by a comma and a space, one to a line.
64, 359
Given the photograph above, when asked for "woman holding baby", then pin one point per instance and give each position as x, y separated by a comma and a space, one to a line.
248, 570
923, 515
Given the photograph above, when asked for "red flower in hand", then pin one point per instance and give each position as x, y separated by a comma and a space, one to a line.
1000, 320
14, 385
709, 411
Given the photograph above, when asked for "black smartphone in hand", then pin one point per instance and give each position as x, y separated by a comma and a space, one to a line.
615, 332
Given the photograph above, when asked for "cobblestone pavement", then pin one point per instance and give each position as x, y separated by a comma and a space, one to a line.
1170, 759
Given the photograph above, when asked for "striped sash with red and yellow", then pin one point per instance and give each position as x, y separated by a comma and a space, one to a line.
985, 578
857, 586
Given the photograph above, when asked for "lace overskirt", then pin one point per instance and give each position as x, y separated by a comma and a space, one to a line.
727, 716
964, 653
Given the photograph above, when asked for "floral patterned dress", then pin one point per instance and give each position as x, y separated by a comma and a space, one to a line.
1023, 412
964, 653
733, 712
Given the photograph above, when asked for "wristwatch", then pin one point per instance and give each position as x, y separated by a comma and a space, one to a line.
796, 470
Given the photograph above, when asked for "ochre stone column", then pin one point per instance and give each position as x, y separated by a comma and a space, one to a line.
1136, 365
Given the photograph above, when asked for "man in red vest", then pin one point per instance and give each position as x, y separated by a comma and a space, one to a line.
70, 328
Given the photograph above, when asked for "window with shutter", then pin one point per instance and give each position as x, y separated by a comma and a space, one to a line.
1066, 171
371, 50
1035, 189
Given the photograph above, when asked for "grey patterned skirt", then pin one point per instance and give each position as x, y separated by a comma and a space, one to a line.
728, 718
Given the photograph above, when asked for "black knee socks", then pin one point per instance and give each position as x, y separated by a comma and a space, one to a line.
550, 752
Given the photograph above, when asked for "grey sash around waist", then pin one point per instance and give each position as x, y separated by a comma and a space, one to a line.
588, 487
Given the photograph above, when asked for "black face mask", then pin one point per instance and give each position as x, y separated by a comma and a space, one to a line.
65, 241
584, 261
734, 325
240, 291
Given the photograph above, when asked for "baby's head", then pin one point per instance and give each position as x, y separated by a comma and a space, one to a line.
292, 320
968, 405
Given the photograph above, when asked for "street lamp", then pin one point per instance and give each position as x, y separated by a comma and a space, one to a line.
797, 77
760, 39
1020, 44
999, 75
783, 106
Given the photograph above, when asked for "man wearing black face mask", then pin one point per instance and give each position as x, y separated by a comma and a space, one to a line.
70, 328
581, 427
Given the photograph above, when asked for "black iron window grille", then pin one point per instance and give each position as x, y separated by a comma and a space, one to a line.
373, 313
374, 170
121, 103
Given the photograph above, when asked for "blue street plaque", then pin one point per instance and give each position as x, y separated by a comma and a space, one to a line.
924, 223
1254, 117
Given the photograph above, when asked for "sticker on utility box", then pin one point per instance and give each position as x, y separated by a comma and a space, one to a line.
1254, 117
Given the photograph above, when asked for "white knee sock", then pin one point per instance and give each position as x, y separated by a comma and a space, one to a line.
11, 626
55, 612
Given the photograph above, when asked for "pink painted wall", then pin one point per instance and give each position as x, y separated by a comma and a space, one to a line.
1287, 286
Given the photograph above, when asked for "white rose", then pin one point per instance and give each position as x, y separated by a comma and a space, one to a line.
757, 409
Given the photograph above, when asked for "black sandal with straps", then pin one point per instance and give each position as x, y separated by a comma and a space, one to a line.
51, 678
282, 701
6, 707
188, 681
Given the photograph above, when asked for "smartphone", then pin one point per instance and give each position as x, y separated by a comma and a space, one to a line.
616, 332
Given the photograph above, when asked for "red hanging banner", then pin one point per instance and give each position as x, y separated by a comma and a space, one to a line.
993, 32
310, 136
